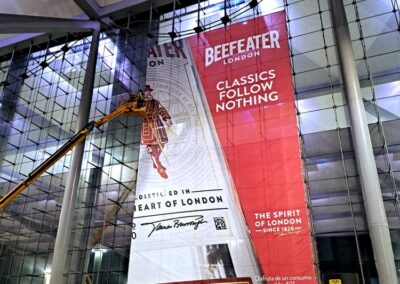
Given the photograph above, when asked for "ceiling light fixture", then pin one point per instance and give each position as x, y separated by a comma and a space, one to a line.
225, 19
198, 29
24, 76
173, 35
65, 48
253, 4
44, 64
4, 83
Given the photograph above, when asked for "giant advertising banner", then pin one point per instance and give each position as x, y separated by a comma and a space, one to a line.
246, 75
187, 223
220, 193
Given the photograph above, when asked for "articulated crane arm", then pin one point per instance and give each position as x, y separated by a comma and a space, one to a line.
134, 106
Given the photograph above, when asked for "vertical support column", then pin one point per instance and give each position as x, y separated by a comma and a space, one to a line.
9, 97
374, 207
68, 206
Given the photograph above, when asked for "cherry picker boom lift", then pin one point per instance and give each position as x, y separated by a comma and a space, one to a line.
133, 106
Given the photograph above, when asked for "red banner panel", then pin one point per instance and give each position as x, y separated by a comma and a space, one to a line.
246, 76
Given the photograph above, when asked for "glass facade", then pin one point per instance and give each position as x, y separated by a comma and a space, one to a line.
38, 114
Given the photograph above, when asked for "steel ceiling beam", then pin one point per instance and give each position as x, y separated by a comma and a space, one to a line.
120, 6
17, 38
32, 24
94, 11
90, 8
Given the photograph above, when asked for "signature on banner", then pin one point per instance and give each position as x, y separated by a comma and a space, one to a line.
193, 221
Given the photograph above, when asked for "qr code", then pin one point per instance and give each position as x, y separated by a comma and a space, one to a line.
220, 223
